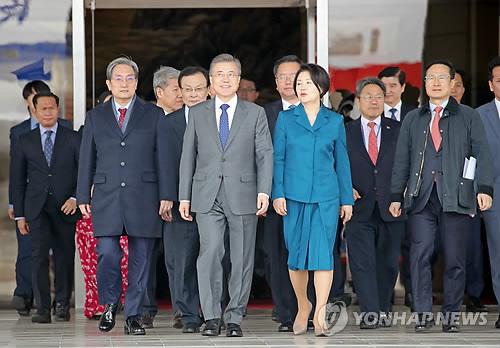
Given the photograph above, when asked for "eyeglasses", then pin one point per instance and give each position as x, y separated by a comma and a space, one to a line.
128, 79
197, 90
369, 97
284, 77
220, 75
440, 78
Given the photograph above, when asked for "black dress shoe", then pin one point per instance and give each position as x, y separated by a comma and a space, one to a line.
212, 328
409, 300
177, 320
452, 327
22, 305
191, 328
233, 330
424, 323
108, 318
369, 322
287, 326
42, 316
474, 305
274, 315
133, 327
497, 323
147, 321
62, 312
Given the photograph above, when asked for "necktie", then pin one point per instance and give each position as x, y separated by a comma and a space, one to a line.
122, 111
291, 106
48, 147
224, 125
393, 112
372, 143
436, 135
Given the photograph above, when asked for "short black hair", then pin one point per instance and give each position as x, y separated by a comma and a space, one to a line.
492, 65
442, 62
35, 85
319, 76
44, 94
103, 96
192, 70
252, 79
462, 74
292, 58
393, 71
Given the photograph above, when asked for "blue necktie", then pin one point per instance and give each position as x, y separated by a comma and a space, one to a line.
48, 147
291, 106
224, 126
393, 112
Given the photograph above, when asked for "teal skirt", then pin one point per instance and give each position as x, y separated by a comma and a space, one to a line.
310, 230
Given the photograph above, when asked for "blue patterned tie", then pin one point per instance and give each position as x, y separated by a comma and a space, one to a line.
48, 147
224, 126
393, 112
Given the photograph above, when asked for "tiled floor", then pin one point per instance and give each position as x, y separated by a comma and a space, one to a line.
258, 328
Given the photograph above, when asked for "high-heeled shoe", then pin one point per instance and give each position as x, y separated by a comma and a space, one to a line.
320, 331
300, 329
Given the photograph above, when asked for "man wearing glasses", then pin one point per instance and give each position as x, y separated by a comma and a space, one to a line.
118, 158
225, 178
180, 237
437, 143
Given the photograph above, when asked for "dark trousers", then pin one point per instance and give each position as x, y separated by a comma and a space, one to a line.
277, 255
405, 274
150, 307
374, 248
423, 227
24, 286
51, 230
109, 276
339, 270
182, 245
474, 281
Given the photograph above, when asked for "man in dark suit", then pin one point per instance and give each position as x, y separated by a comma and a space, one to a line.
394, 80
435, 143
225, 177
44, 173
490, 115
180, 237
373, 234
23, 294
119, 157
285, 302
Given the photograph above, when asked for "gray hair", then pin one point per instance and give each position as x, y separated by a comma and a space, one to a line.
225, 58
162, 76
369, 81
119, 61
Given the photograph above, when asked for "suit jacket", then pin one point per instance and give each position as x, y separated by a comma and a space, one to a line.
246, 163
272, 111
406, 108
491, 121
311, 163
33, 180
373, 182
18, 130
123, 169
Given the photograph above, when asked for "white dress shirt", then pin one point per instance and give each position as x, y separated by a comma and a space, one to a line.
497, 103
286, 105
365, 130
388, 113
230, 110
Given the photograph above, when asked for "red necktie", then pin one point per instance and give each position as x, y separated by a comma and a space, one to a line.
372, 143
436, 135
122, 116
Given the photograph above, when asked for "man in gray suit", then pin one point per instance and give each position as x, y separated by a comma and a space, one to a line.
490, 115
225, 177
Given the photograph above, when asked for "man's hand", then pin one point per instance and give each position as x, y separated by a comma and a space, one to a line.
395, 209
69, 207
279, 205
23, 227
355, 194
262, 204
166, 210
11, 214
184, 210
345, 213
484, 201
85, 209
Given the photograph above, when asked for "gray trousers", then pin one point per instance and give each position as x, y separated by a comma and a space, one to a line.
242, 232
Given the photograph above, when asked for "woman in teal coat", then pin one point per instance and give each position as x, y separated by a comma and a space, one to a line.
312, 181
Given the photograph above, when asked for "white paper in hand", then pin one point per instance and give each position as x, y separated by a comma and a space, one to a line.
469, 168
